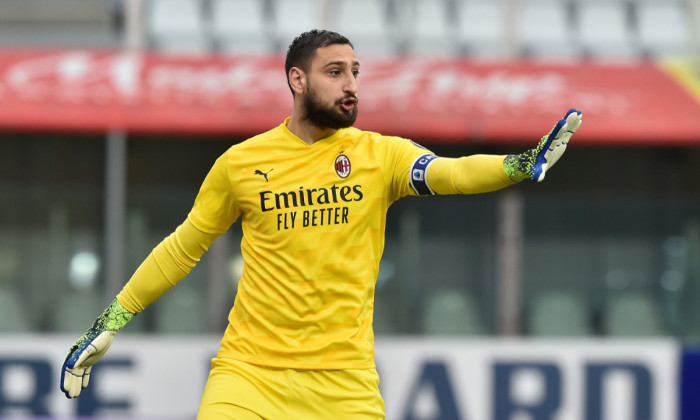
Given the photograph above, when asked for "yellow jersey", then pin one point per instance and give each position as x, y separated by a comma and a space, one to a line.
313, 219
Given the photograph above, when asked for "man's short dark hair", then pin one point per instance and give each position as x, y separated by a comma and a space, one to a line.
303, 48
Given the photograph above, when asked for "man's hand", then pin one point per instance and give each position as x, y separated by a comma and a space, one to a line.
90, 347
534, 163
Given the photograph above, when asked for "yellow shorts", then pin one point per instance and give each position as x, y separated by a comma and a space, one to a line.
242, 391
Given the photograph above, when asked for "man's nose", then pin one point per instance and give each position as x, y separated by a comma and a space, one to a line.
351, 85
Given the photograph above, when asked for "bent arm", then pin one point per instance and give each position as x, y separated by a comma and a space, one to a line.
168, 263
468, 175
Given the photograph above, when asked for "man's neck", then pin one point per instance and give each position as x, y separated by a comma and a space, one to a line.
307, 131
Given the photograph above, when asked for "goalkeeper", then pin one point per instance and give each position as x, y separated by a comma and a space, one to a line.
299, 342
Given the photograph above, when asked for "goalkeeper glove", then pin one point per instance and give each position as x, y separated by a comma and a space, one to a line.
534, 163
75, 373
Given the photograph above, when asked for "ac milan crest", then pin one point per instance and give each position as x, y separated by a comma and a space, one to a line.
342, 166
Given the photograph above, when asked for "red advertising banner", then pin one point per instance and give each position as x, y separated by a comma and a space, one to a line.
432, 100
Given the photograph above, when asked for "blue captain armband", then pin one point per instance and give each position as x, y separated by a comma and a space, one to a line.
418, 177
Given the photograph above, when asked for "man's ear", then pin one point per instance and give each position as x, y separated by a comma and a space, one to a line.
297, 80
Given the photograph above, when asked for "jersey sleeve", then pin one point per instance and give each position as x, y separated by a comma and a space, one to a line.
213, 212
169, 262
409, 162
215, 209
467, 175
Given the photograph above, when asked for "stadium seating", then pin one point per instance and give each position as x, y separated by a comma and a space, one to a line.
77, 309
481, 28
543, 29
384, 322
182, 310
59, 22
452, 312
14, 315
558, 314
604, 31
177, 26
663, 27
475, 28
366, 23
431, 28
632, 315
292, 17
240, 26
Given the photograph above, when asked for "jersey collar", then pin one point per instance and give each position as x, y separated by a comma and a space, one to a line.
328, 140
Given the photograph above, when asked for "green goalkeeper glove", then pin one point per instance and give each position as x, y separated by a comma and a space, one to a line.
90, 347
534, 163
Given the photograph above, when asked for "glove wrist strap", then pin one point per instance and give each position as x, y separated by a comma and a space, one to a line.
518, 167
522, 166
114, 318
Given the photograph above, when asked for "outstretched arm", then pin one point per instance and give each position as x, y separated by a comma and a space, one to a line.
168, 263
468, 175
484, 173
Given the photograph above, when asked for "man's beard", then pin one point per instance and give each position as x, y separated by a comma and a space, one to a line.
328, 117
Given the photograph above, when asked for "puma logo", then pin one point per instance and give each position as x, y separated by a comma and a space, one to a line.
264, 174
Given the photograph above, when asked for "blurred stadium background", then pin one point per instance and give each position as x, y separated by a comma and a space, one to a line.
112, 112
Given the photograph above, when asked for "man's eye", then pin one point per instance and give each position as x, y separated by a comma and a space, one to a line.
335, 72
355, 73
